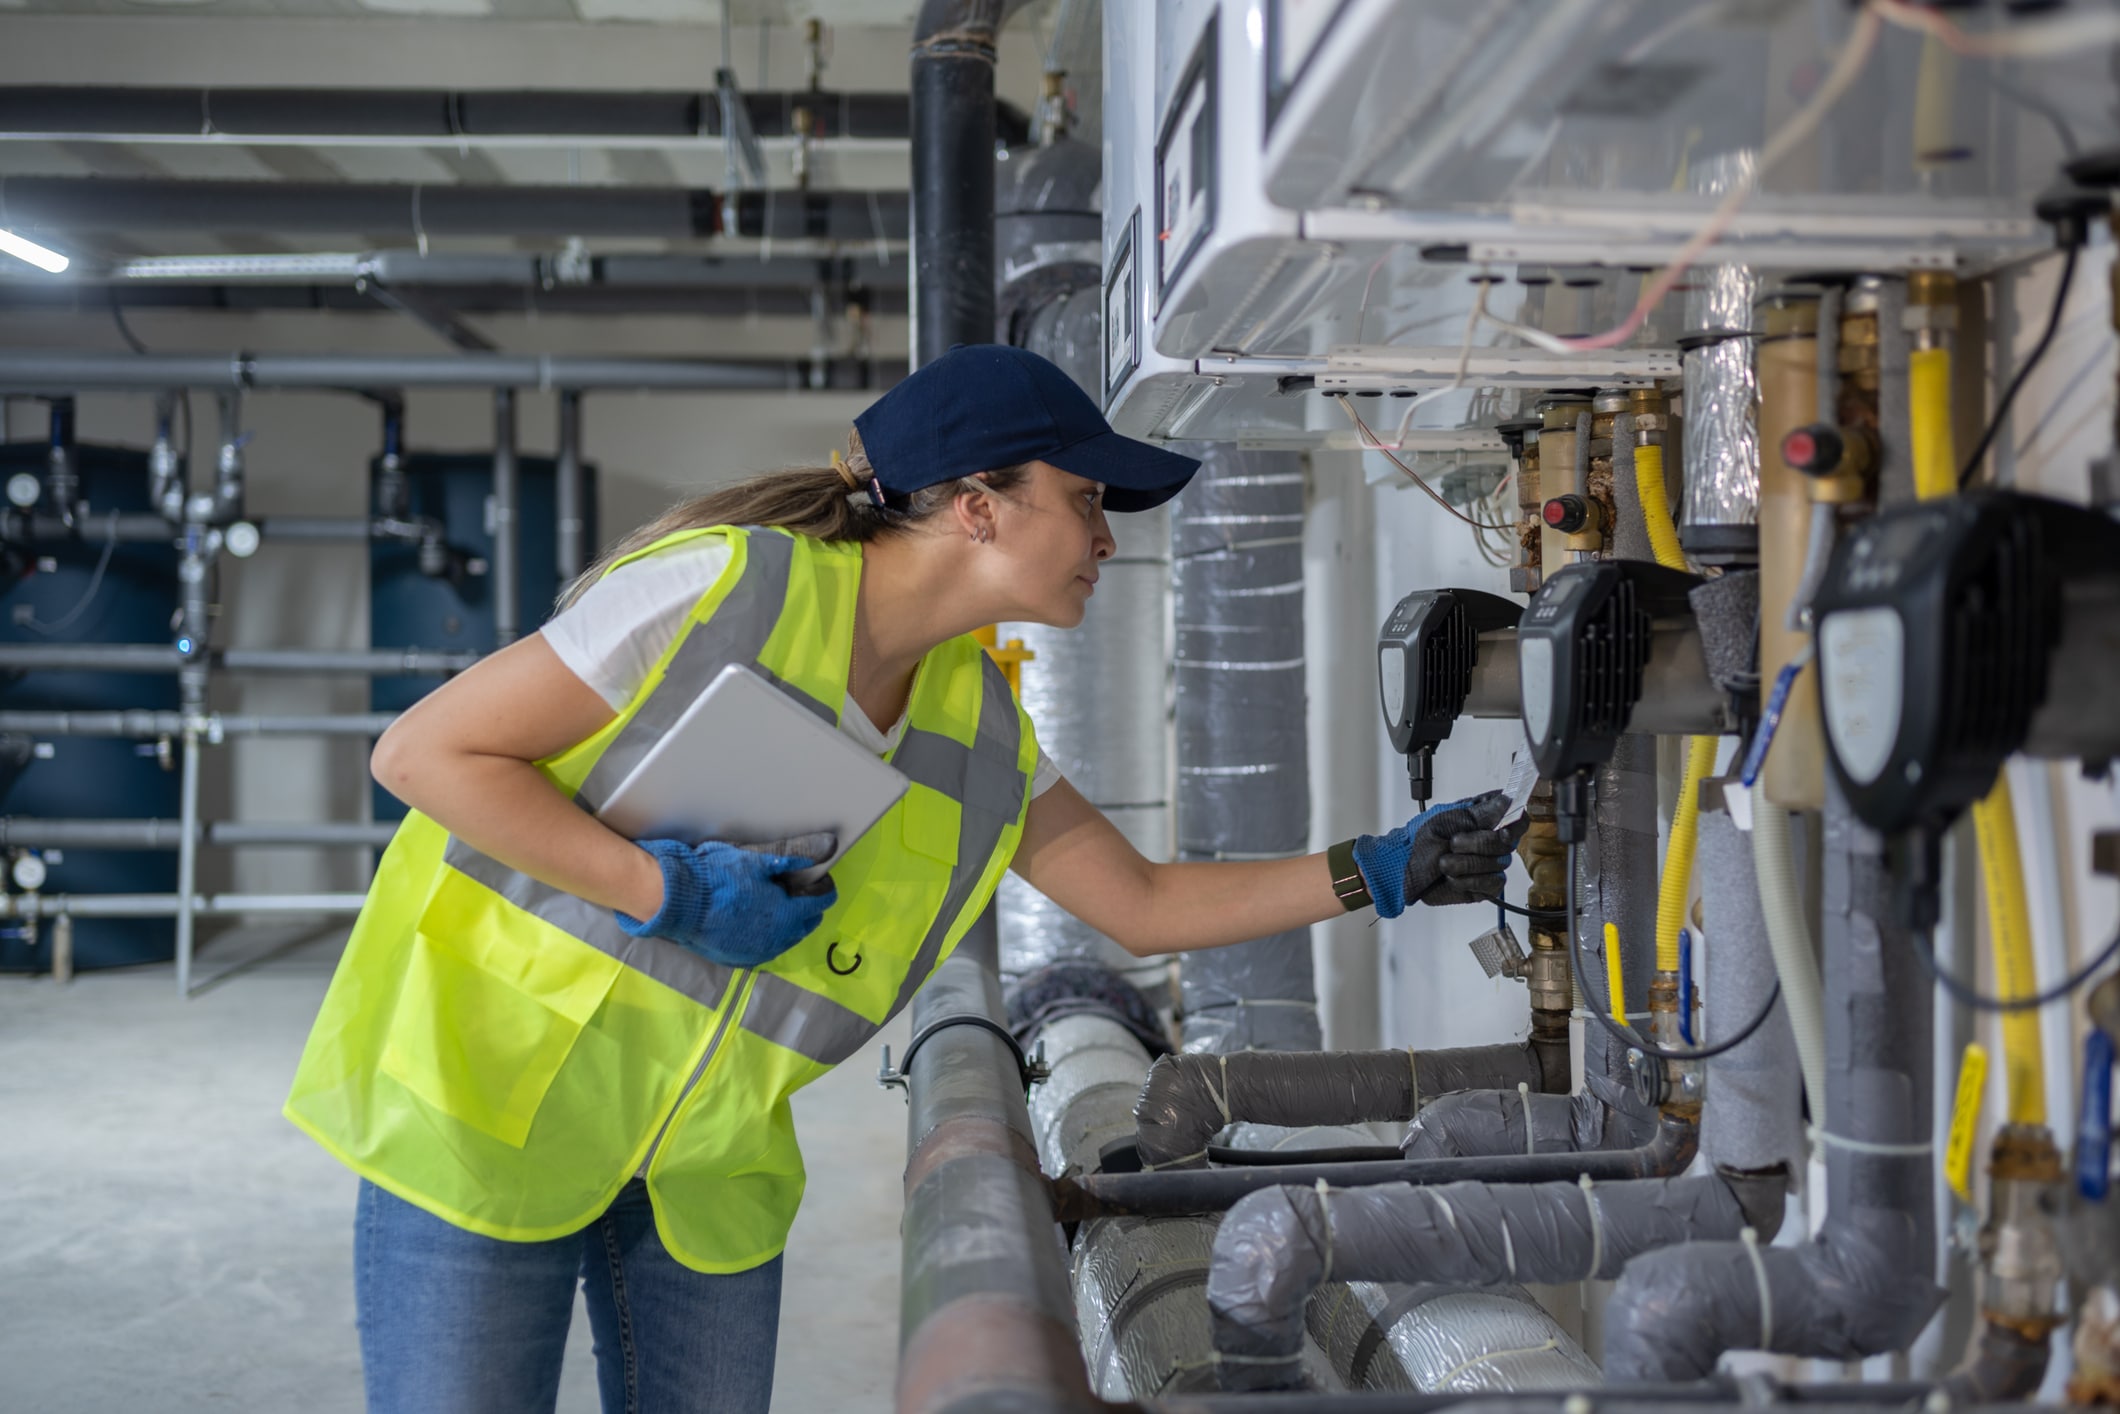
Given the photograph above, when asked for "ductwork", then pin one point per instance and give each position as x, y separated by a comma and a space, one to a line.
1276, 1247
1190, 1098
415, 212
1863, 1285
1243, 765
368, 117
1720, 522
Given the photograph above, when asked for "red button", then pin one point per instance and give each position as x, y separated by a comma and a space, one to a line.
1800, 449
1556, 512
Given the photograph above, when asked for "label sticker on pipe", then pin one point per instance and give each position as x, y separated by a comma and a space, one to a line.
1523, 779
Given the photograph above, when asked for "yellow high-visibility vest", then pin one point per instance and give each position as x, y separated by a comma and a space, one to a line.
505, 1056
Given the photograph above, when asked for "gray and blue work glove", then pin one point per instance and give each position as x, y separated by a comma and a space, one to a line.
1450, 853
730, 904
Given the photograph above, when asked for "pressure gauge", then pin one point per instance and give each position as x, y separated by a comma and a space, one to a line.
29, 872
23, 489
241, 539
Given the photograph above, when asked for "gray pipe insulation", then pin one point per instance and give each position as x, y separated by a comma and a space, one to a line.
1863, 1286
1277, 1247
153, 372
1243, 760
1604, 1114
1190, 1098
1752, 1120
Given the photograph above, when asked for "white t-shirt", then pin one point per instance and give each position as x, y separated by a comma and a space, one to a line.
613, 635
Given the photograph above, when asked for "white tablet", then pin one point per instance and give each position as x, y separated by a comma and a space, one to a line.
745, 765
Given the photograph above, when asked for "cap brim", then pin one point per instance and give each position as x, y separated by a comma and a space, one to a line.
1136, 475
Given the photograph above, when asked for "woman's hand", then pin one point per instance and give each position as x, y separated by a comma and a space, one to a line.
1450, 853
729, 904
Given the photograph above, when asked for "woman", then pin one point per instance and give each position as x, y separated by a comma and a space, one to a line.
551, 1052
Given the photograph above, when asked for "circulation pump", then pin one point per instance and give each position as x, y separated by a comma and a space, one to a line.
1425, 659
1603, 649
1950, 635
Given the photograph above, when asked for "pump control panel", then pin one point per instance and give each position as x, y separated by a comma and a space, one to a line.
1425, 657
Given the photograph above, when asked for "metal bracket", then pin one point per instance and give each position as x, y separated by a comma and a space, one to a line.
1032, 1068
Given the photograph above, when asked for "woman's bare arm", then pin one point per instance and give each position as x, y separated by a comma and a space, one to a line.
462, 756
1079, 860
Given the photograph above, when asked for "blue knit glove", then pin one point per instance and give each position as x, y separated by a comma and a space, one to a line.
727, 904
1449, 853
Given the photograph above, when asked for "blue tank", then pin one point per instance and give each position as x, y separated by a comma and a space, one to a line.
54, 593
409, 608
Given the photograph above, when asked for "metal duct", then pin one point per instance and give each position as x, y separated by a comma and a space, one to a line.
1243, 766
1097, 693
1444, 1339
1753, 1119
1048, 235
412, 211
1863, 1285
1190, 1098
315, 117
1721, 440
953, 131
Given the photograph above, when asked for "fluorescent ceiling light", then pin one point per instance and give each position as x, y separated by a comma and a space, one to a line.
30, 251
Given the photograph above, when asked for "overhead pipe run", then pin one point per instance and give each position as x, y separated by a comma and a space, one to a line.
158, 658
370, 117
35, 372
215, 727
22, 832
416, 211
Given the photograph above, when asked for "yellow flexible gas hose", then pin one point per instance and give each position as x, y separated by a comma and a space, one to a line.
1995, 818
1700, 750
1678, 855
1929, 393
1656, 507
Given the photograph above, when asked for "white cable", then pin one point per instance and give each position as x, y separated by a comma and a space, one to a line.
1920, 1149
1523, 1098
1789, 937
2036, 39
1750, 1238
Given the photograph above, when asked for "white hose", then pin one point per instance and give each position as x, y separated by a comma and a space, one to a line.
1790, 936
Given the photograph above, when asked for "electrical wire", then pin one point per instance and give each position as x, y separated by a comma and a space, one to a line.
1966, 994
1971, 468
88, 595
117, 317
2035, 39
1372, 443
1627, 1035
1847, 67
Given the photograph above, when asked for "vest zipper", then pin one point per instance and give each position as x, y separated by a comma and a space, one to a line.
737, 997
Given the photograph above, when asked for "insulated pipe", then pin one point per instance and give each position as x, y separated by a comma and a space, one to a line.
1604, 1114
1862, 1286
369, 117
29, 372
24, 832
568, 489
952, 210
986, 1318
1794, 775
1751, 1391
414, 212
505, 584
1190, 1098
1753, 1118
168, 905
158, 658
1277, 1247
1243, 775
1182, 1191
1465, 1340
1789, 935
145, 725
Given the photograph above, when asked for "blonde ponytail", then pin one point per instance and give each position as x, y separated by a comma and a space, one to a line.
823, 502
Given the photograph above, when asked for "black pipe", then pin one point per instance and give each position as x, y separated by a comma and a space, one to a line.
446, 116
413, 211
1179, 1191
953, 132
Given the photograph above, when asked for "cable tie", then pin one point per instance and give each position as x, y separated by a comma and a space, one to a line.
1597, 1227
1413, 1070
1324, 1191
1523, 1099
1749, 1236
1509, 1249
1870, 1146
1485, 1356
1449, 1213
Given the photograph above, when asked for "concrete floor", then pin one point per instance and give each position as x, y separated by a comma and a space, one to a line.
173, 1244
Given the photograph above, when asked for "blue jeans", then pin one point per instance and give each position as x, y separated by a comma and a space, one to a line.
455, 1323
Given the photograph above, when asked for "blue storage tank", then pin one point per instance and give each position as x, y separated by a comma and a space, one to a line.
54, 593
409, 609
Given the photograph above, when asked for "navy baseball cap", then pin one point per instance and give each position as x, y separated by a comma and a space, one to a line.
981, 407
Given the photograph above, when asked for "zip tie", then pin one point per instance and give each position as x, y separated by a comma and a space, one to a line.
1523, 1099
1597, 1228
1509, 1248
1324, 1191
1449, 1213
1463, 1366
1222, 1100
1870, 1146
1749, 1236
1413, 1073
1178, 1162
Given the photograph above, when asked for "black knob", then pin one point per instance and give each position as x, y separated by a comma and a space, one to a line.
1816, 450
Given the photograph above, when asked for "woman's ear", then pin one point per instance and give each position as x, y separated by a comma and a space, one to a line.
975, 515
